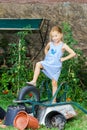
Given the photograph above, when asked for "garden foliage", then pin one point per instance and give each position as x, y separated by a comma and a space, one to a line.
15, 77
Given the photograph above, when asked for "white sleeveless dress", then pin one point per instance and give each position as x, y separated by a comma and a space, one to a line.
51, 63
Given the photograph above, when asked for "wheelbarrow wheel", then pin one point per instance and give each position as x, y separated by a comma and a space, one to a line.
30, 93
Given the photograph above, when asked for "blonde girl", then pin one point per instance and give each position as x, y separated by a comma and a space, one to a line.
52, 64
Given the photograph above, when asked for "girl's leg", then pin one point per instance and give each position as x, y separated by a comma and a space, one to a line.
54, 88
36, 73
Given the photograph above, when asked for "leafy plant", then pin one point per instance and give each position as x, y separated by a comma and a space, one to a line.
72, 68
18, 71
4, 81
19, 60
68, 35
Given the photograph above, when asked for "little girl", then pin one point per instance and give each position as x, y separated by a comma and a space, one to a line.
52, 63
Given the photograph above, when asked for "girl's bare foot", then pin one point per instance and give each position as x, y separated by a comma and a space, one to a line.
31, 83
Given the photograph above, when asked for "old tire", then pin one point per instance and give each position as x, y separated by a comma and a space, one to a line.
29, 93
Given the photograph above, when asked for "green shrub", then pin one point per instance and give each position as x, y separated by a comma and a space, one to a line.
72, 68
17, 73
72, 71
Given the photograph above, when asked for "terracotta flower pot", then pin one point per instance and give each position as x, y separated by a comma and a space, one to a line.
21, 120
33, 122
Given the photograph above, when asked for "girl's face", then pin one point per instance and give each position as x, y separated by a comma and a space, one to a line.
56, 36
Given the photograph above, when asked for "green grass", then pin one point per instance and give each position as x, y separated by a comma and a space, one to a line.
77, 123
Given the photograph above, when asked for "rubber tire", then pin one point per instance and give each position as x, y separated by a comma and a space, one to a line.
26, 90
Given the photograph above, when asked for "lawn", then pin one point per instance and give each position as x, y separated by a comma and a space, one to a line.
77, 123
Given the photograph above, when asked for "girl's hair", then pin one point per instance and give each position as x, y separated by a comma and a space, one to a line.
55, 28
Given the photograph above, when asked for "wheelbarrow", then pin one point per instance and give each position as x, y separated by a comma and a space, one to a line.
38, 102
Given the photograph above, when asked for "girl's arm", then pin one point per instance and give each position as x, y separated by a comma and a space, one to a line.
70, 51
47, 48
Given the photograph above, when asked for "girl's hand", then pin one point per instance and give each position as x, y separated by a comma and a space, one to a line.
62, 59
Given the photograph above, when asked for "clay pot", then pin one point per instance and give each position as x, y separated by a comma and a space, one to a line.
33, 122
21, 120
